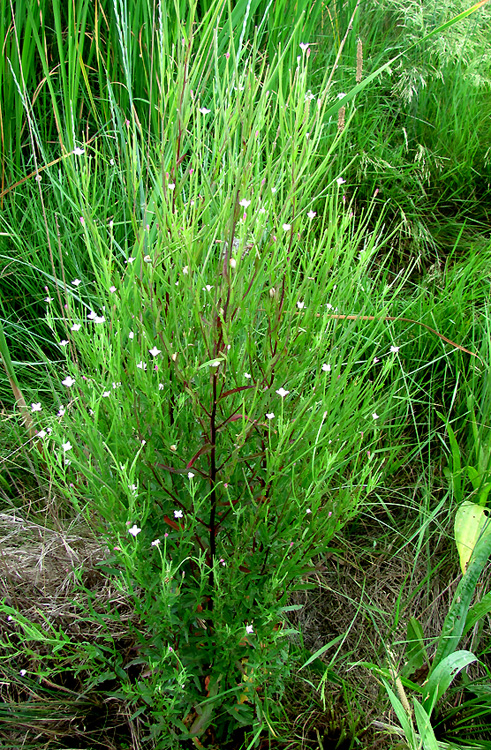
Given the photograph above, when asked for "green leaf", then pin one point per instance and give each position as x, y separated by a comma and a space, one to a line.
425, 729
442, 677
415, 651
471, 521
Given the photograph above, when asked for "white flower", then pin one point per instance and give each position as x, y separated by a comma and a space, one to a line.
205, 111
61, 411
131, 335
249, 629
178, 514
112, 289
134, 530
340, 181
245, 203
147, 259
394, 349
69, 381
92, 315
190, 475
78, 151
106, 394
117, 385
272, 292
23, 672
99, 319
215, 363
281, 392
66, 446
35, 407
233, 262
375, 360
76, 327
111, 162
42, 433
63, 342
133, 488
262, 210
270, 415
155, 542
247, 375
154, 351
308, 511
185, 270
207, 288
142, 365
311, 214
304, 46
326, 368
49, 299
76, 282
375, 415
287, 227
161, 386
131, 260
341, 95
171, 185
300, 305
173, 447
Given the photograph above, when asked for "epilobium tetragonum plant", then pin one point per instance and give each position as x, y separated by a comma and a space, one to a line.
218, 423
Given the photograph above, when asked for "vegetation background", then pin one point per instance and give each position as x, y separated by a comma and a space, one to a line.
245, 331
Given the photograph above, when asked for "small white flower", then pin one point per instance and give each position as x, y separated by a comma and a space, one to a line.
23, 672
171, 185
63, 342
270, 415
61, 411
69, 381
155, 543
131, 260
99, 319
190, 475
245, 203
131, 335
375, 415
185, 270
42, 434
112, 289
287, 227
205, 111
281, 392
249, 629
142, 365
247, 375
111, 162
300, 305
106, 394
262, 210
76, 282
340, 181
35, 407
215, 363
312, 214
78, 151
161, 386
173, 447
272, 292
147, 259
154, 351
394, 349
92, 315
233, 262
341, 95
304, 46
76, 327
49, 299
326, 368
133, 488
207, 288
178, 514
117, 385
308, 511
134, 530
375, 360
273, 190
66, 446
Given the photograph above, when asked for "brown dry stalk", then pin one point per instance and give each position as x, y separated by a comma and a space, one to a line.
359, 61
341, 114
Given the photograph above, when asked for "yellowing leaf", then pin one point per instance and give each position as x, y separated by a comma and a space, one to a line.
471, 521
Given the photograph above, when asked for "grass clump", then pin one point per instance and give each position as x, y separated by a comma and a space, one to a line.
218, 366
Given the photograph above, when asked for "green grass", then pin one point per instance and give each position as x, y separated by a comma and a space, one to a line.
239, 409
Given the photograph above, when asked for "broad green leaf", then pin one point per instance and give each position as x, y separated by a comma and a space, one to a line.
477, 612
471, 521
415, 650
426, 733
443, 675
